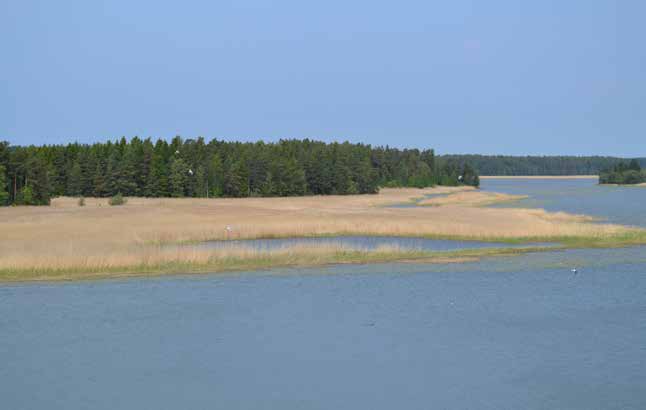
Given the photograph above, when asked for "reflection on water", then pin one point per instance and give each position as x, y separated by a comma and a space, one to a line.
359, 242
518, 332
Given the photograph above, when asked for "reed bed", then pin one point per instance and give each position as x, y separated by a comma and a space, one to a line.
135, 237
471, 198
164, 260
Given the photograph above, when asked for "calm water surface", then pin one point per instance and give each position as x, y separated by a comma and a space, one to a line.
504, 333
624, 205
359, 242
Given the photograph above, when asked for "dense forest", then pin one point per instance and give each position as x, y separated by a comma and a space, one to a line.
538, 165
194, 168
623, 173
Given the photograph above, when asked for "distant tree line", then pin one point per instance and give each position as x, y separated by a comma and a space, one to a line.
194, 168
623, 173
538, 165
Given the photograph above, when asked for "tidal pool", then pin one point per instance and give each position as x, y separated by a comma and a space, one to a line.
502, 333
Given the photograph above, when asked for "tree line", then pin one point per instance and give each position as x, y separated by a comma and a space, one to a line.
195, 168
623, 173
538, 165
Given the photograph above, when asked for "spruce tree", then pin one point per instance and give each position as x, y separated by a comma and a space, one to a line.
215, 176
178, 178
113, 173
193, 168
235, 182
157, 181
99, 182
74, 184
127, 179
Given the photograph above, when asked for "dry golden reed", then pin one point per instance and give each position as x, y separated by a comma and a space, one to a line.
100, 237
470, 198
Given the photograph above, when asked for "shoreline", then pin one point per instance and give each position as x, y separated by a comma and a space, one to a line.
67, 242
311, 257
266, 262
641, 184
539, 177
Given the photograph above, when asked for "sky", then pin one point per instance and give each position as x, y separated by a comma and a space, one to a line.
491, 77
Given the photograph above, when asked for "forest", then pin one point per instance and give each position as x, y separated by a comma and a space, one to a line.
624, 173
32, 175
538, 165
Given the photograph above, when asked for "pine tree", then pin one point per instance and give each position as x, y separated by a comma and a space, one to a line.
37, 181
58, 176
4, 193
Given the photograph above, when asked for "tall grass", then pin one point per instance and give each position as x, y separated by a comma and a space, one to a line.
470, 198
100, 238
172, 261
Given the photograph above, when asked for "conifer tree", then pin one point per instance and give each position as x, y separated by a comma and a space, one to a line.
127, 179
157, 181
235, 182
37, 181
234, 169
4, 193
74, 185
215, 176
99, 180
178, 177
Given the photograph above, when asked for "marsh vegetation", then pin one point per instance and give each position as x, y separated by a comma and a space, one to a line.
100, 239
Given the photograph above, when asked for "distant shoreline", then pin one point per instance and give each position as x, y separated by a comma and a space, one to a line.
641, 184
539, 177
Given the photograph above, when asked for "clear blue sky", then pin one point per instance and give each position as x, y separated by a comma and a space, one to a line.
509, 77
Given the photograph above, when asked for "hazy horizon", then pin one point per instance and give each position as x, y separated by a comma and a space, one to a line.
497, 78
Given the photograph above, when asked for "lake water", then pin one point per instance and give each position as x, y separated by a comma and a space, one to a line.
502, 333
358, 242
623, 205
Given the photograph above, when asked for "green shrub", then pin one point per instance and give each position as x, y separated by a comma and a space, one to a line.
118, 199
26, 196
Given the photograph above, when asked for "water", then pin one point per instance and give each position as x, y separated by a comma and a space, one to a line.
618, 204
359, 242
502, 333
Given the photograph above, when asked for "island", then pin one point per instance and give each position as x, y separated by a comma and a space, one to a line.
623, 173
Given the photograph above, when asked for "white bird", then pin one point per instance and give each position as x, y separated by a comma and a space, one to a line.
574, 270
176, 152
190, 172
